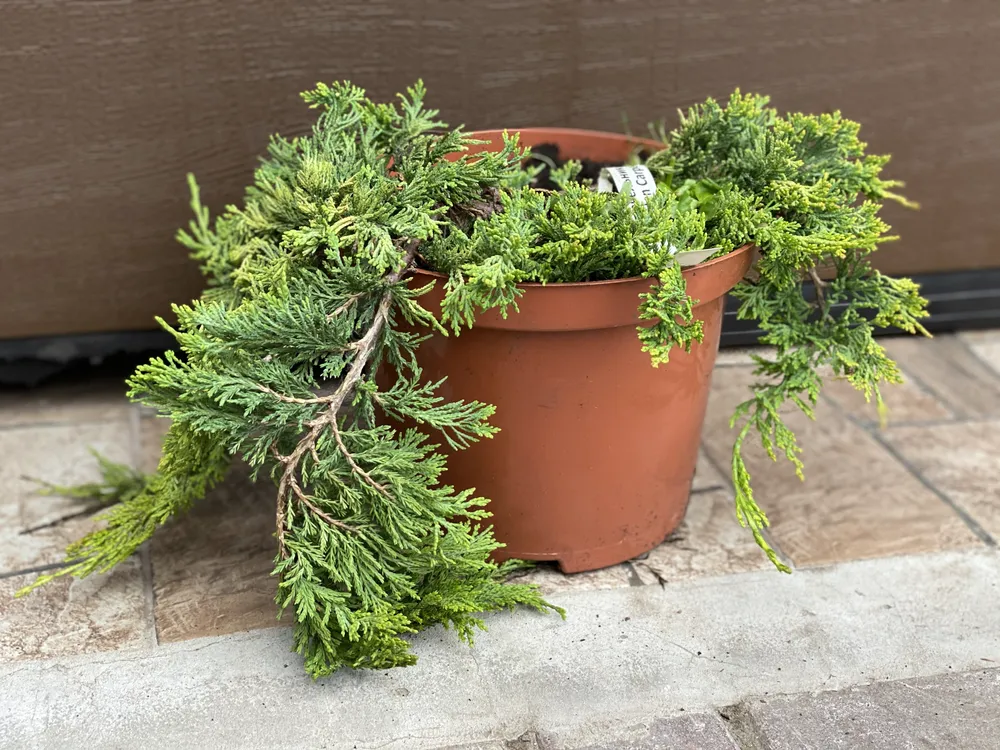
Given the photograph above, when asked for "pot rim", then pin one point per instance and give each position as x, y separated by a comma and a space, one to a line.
590, 305
583, 132
590, 284
537, 133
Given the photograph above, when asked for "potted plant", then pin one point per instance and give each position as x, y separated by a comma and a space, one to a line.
318, 350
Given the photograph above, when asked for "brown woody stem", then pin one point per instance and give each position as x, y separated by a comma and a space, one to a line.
363, 349
820, 285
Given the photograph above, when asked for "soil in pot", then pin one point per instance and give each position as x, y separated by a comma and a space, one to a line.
548, 155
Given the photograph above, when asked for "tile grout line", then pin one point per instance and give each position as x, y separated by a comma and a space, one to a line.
727, 477
145, 556
106, 419
149, 598
956, 410
975, 355
973, 525
890, 424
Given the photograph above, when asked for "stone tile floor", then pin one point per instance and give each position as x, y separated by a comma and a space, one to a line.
929, 480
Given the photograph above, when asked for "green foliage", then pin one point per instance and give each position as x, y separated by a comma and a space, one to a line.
308, 299
573, 235
118, 483
191, 464
276, 365
802, 189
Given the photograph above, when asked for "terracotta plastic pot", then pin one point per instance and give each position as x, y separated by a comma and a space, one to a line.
597, 448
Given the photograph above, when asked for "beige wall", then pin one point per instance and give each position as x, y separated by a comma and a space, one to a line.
105, 106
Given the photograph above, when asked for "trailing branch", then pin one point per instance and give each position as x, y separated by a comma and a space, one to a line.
306, 290
802, 189
819, 286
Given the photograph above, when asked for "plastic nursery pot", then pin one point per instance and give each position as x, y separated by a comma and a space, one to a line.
597, 448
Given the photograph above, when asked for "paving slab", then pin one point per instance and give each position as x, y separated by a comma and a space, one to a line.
742, 356
700, 731
99, 613
709, 542
703, 731
985, 345
956, 711
622, 656
57, 454
550, 579
950, 370
67, 616
961, 460
212, 566
905, 403
857, 500
93, 400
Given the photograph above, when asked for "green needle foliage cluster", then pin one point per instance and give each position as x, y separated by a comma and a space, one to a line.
802, 189
571, 235
309, 298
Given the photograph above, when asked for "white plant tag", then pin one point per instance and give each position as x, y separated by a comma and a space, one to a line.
613, 179
694, 257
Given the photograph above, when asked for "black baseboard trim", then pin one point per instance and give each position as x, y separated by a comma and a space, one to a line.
31, 361
960, 300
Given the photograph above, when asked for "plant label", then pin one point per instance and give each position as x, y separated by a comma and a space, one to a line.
642, 184
639, 178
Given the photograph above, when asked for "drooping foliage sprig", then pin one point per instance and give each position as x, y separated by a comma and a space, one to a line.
803, 190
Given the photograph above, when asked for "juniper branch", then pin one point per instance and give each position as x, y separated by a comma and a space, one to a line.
305, 291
